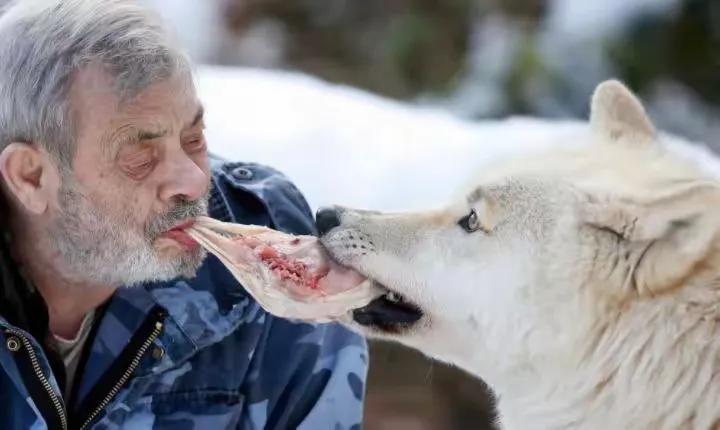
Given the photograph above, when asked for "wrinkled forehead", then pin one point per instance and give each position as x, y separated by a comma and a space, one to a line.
172, 99
94, 87
99, 112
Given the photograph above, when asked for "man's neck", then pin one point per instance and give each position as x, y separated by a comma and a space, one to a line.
67, 302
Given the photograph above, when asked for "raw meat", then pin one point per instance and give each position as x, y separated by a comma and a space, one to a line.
290, 276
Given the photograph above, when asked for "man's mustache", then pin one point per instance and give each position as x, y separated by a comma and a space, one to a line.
183, 210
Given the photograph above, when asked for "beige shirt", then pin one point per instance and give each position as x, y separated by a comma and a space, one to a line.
71, 349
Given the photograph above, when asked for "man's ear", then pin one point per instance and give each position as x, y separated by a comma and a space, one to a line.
663, 240
24, 168
616, 115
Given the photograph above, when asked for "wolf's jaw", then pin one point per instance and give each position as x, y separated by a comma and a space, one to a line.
390, 313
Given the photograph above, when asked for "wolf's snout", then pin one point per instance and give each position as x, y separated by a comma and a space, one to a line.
327, 219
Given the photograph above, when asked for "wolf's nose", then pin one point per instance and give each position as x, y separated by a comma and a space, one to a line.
327, 219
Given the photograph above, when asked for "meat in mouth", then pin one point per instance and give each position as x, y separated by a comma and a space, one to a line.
290, 276
180, 235
301, 264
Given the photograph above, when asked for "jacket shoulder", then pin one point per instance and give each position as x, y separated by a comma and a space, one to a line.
243, 191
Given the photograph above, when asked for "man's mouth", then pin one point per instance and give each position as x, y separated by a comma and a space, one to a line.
179, 235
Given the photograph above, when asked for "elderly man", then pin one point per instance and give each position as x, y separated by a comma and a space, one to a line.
109, 316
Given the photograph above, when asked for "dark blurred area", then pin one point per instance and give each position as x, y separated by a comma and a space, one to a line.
395, 47
493, 58
408, 391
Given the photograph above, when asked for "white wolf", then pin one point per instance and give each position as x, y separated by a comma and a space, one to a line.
583, 284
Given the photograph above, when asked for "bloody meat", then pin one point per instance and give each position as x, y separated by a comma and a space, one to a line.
287, 268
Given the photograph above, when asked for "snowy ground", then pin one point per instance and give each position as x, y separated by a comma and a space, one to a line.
344, 146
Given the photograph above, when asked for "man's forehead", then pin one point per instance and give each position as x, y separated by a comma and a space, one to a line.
102, 117
94, 92
174, 96
150, 123
167, 112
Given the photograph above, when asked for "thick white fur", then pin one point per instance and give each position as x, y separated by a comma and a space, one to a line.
591, 297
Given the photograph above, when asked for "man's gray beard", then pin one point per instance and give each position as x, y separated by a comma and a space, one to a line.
99, 246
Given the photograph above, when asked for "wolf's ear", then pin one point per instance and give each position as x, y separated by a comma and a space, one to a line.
617, 115
662, 240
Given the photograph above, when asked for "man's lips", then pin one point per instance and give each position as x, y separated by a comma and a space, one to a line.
179, 235
183, 225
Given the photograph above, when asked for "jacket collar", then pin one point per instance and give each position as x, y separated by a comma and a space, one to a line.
21, 305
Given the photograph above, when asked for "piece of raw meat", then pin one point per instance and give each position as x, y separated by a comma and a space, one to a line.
289, 276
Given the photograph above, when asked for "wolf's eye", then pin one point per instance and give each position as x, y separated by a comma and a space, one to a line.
470, 223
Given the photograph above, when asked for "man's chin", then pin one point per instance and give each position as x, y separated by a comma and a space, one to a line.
184, 261
196, 259
189, 262
170, 248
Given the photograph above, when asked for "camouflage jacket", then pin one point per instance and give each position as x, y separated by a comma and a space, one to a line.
195, 354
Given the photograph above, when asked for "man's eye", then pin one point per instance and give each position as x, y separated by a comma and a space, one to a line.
138, 165
138, 170
195, 145
141, 166
470, 223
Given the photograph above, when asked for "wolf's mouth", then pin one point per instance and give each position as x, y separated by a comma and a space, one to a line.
390, 312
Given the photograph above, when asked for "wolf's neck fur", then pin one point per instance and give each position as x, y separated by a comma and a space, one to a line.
656, 365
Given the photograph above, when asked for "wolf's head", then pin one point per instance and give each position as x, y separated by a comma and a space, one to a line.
546, 256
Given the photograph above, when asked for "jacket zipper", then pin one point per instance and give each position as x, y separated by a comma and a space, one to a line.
54, 398
134, 363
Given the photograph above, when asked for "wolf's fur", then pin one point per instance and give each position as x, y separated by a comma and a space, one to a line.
589, 297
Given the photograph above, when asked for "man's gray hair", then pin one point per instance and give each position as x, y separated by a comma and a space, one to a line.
42, 44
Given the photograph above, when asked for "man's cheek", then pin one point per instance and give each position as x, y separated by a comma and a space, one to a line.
135, 200
128, 209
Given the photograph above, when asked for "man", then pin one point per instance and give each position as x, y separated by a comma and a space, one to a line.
109, 316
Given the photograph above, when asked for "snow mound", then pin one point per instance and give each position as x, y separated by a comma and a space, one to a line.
344, 146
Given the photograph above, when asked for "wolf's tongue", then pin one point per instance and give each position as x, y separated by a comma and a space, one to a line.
340, 279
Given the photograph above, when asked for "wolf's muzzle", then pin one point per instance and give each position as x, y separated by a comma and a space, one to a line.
327, 219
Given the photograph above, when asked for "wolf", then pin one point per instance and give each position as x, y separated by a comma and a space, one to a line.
582, 283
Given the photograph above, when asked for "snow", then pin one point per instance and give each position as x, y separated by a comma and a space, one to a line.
344, 146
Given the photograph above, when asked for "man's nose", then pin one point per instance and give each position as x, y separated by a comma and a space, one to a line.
185, 179
327, 219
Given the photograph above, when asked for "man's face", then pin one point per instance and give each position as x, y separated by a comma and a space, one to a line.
140, 169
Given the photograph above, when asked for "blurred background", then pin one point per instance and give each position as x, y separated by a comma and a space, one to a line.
473, 60
478, 58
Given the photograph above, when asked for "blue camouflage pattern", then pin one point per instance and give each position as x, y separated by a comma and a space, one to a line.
220, 362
